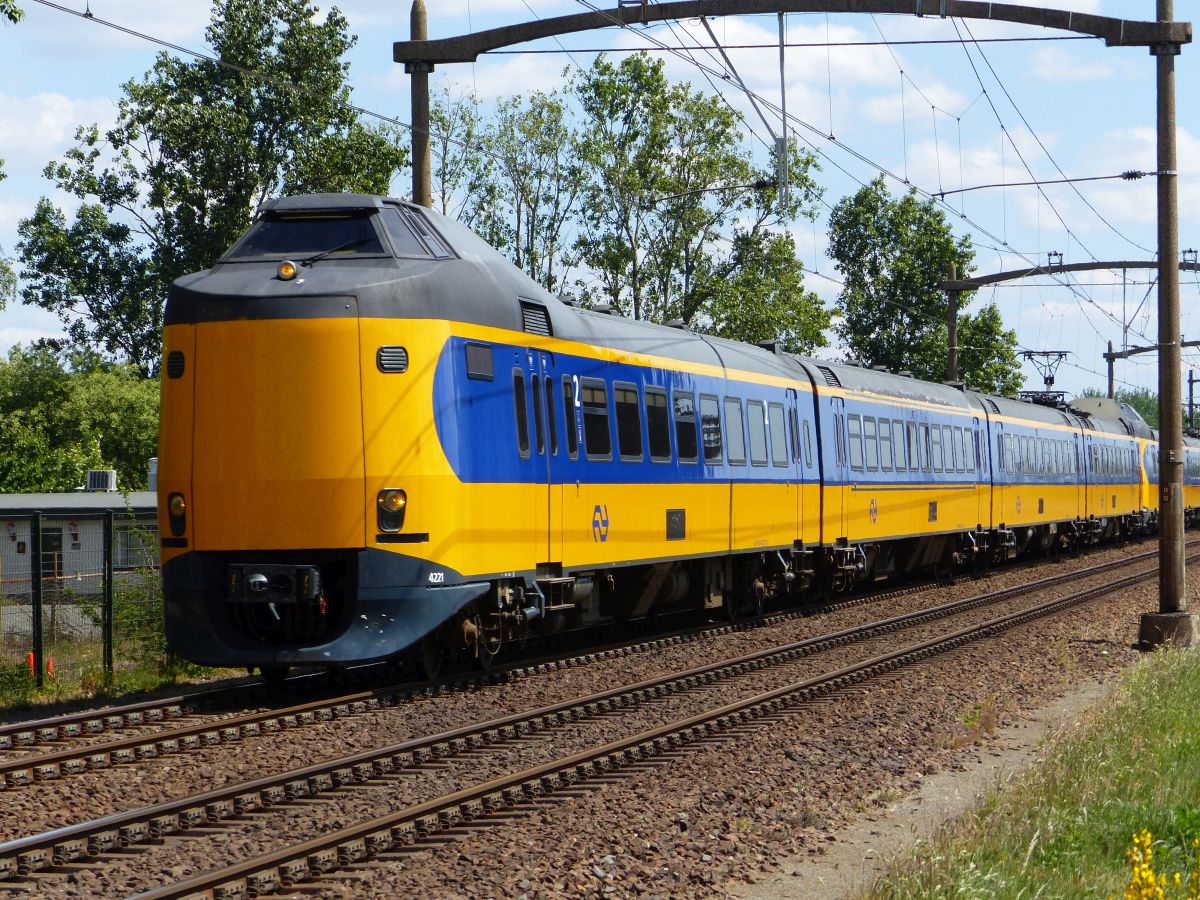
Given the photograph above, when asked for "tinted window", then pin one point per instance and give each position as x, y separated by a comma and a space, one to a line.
400, 231
794, 428
898, 441
421, 225
569, 417
307, 235
807, 446
550, 420
685, 425
658, 425
870, 443
779, 454
936, 448
629, 421
735, 431
948, 447
912, 457
479, 361
597, 441
538, 431
854, 433
522, 413
756, 421
924, 448
710, 428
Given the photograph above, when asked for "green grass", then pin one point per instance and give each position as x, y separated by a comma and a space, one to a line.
1063, 828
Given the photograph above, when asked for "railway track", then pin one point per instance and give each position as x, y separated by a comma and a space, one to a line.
28, 855
82, 727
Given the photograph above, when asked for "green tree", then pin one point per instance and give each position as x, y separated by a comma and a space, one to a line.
626, 108
676, 222
765, 267
198, 146
987, 352
9, 10
893, 254
539, 175
63, 413
463, 164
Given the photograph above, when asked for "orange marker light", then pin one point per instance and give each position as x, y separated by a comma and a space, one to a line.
286, 270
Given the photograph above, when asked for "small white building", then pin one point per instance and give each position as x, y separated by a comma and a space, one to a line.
73, 538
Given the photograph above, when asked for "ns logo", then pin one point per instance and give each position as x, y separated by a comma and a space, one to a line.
600, 524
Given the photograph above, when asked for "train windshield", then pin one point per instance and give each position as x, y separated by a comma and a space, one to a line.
308, 235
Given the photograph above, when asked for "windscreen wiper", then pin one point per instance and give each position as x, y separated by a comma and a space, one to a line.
349, 245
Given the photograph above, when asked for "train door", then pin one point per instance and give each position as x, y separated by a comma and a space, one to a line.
548, 452
1077, 477
782, 432
975, 464
996, 456
837, 486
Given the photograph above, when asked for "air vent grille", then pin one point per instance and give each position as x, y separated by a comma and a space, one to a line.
175, 364
831, 378
392, 359
535, 319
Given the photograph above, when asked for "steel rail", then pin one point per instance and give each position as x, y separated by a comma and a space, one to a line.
77, 760
25, 855
27, 734
319, 856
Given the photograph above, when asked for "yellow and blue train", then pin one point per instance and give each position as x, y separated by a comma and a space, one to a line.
379, 438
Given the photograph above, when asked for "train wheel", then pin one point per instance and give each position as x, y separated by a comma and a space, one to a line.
431, 655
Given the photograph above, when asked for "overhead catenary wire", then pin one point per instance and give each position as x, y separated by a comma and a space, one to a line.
884, 170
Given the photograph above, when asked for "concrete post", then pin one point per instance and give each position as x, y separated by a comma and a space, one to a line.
419, 73
1171, 624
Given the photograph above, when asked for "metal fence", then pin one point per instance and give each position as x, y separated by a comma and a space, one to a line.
79, 595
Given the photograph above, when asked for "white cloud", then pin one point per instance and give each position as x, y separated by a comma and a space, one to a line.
1055, 64
39, 128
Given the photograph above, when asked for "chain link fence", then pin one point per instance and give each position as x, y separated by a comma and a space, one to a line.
80, 598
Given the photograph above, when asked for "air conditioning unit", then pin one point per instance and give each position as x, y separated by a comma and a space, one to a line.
102, 480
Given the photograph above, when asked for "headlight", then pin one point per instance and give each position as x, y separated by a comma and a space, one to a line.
177, 514
391, 506
286, 270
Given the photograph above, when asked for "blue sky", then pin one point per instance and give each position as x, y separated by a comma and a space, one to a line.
921, 112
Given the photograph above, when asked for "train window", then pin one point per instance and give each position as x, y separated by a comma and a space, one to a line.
956, 441
569, 417
756, 423
538, 429
885, 445
970, 447
779, 454
911, 454
794, 428
658, 424
898, 443
479, 362
685, 425
839, 436
736, 431
710, 428
629, 421
948, 448
400, 230
854, 435
597, 439
424, 230
280, 236
551, 422
870, 443
925, 448
522, 413
935, 455
807, 446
